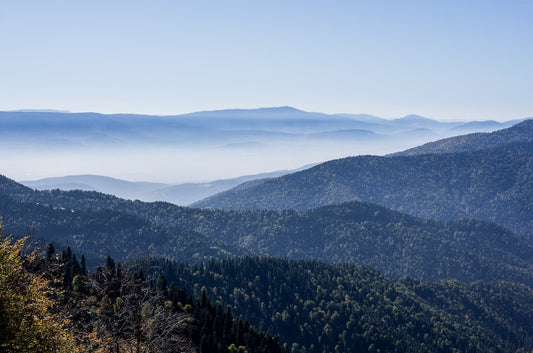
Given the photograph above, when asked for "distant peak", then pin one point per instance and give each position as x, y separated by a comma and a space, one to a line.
39, 111
413, 118
285, 108
257, 112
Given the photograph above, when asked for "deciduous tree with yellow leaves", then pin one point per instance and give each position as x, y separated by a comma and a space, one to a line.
27, 322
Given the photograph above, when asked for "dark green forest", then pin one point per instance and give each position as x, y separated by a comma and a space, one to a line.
101, 233
356, 232
494, 185
265, 304
521, 132
113, 308
318, 307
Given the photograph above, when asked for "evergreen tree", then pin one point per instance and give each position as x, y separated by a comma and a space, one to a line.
50, 254
83, 265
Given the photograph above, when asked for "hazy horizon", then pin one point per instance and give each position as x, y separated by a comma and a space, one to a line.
446, 60
389, 117
201, 147
165, 165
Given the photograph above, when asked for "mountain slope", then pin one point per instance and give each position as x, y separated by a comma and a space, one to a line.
494, 185
356, 232
521, 132
100, 233
180, 194
395, 243
55, 304
316, 307
108, 185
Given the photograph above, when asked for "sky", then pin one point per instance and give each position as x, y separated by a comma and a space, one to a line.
448, 60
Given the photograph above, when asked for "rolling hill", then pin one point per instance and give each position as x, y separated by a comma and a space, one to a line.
495, 185
101, 233
356, 232
398, 244
316, 307
179, 194
521, 132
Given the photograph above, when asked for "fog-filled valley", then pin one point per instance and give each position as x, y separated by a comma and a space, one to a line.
203, 146
185, 158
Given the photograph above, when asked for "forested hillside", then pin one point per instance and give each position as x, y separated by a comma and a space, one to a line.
315, 307
494, 185
54, 304
306, 306
355, 232
521, 132
101, 233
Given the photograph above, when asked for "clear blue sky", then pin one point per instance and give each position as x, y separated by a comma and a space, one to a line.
441, 59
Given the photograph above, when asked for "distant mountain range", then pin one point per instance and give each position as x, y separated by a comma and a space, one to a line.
491, 184
521, 132
399, 245
197, 146
204, 145
180, 194
215, 127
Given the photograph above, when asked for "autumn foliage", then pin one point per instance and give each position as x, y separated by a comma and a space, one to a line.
27, 321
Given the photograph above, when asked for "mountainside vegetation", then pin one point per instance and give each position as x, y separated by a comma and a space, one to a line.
316, 307
299, 306
521, 132
54, 304
356, 232
28, 321
494, 185
101, 233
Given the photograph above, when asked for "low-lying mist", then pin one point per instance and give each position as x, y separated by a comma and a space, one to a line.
174, 164
202, 146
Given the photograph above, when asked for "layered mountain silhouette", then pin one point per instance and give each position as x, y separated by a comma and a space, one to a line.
491, 184
393, 242
179, 194
202, 146
213, 126
521, 132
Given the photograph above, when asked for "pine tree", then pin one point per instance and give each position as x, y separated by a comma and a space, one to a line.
83, 265
50, 254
